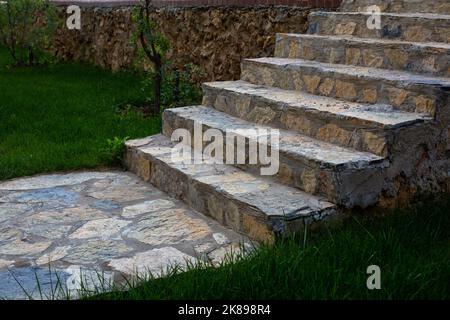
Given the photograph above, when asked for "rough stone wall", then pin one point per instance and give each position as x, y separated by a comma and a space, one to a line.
214, 38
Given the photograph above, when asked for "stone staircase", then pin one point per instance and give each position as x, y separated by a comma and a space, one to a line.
363, 118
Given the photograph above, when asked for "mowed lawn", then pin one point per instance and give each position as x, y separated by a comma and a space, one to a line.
59, 117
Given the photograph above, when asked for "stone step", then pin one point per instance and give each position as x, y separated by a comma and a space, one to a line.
399, 6
403, 90
417, 57
419, 27
343, 176
370, 128
256, 206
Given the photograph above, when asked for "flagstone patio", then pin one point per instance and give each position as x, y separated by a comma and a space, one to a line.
92, 229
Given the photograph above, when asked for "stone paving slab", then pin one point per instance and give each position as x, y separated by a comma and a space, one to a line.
86, 228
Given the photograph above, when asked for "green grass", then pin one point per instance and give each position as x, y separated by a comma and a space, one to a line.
412, 248
60, 117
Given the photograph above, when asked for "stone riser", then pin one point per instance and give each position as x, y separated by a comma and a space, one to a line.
328, 127
364, 88
431, 6
212, 201
225, 210
402, 56
418, 29
349, 187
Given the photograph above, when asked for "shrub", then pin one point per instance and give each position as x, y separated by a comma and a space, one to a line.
177, 89
26, 29
115, 150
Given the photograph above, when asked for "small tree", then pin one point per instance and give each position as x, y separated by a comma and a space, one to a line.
153, 46
26, 29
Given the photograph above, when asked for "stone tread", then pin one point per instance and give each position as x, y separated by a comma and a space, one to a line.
416, 57
267, 196
430, 6
378, 115
427, 6
347, 39
292, 143
407, 26
413, 15
404, 77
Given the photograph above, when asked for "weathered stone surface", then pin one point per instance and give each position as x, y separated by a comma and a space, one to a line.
225, 254
351, 81
213, 38
57, 225
168, 227
297, 153
432, 6
156, 262
22, 247
87, 280
52, 181
212, 186
9, 210
312, 115
36, 283
147, 207
426, 58
4, 264
221, 238
101, 228
70, 215
423, 27
54, 255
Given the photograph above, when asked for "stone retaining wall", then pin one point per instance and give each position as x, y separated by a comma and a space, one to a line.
214, 38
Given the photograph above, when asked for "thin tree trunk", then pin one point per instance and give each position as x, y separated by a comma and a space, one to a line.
12, 38
157, 88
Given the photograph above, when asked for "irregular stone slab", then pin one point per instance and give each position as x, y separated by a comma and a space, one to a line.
92, 252
70, 215
52, 198
9, 234
101, 228
229, 253
32, 283
11, 210
121, 189
156, 262
221, 238
4, 264
18, 247
168, 227
147, 207
49, 231
81, 281
54, 255
54, 180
